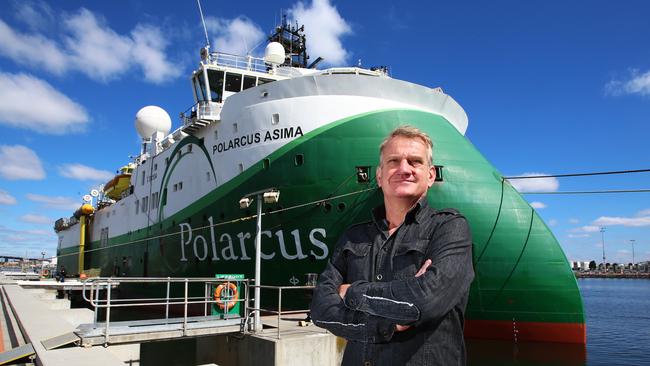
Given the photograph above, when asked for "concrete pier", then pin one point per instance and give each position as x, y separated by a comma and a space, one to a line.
41, 317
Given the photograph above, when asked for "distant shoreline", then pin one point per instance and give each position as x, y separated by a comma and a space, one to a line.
611, 275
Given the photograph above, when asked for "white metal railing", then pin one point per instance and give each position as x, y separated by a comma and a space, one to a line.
249, 63
92, 286
279, 313
201, 111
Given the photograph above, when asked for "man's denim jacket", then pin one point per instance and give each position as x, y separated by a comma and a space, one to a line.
384, 290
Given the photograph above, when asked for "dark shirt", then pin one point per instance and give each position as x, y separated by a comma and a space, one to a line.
384, 290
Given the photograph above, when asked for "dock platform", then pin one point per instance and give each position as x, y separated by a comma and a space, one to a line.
46, 331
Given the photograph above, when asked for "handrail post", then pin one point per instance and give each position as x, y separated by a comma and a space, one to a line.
205, 299
279, 309
185, 306
108, 310
95, 289
167, 300
258, 263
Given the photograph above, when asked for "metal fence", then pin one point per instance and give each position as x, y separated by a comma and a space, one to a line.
167, 300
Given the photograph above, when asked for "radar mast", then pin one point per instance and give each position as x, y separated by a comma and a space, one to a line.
294, 41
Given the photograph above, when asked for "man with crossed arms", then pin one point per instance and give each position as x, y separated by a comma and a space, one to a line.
396, 287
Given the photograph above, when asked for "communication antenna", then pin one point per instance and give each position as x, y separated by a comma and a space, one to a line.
205, 30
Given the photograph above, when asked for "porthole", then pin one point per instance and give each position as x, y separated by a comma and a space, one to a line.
341, 206
299, 159
439, 177
266, 163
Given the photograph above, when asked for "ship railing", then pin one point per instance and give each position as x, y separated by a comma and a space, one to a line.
201, 111
92, 286
279, 313
248, 63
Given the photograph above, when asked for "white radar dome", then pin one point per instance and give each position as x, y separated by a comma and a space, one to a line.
152, 119
274, 53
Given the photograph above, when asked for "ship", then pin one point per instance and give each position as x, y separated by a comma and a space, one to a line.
310, 137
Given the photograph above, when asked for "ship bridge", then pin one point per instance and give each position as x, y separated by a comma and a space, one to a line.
221, 75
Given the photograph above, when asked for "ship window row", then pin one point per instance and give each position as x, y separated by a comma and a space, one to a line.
147, 203
220, 82
178, 186
103, 237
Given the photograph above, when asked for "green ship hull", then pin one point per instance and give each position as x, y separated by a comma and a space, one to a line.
524, 287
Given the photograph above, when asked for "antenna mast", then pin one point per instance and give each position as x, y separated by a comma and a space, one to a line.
205, 30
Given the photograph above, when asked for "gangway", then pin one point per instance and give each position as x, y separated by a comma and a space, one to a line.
188, 325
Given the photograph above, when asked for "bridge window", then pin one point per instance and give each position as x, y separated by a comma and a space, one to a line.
233, 82
249, 82
199, 87
215, 78
261, 81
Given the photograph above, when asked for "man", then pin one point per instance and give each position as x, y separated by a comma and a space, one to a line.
396, 287
62, 274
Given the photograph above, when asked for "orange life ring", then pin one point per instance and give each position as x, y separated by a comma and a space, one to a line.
227, 300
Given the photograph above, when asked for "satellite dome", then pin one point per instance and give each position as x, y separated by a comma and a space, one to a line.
274, 53
151, 119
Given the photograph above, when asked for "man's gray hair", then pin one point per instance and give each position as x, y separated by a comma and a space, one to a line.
411, 133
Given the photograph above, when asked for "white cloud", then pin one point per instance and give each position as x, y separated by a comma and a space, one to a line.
31, 103
535, 184
537, 205
586, 229
42, 53
36, 219
83, 172
148, 51
574, 221
36, 14
624, 221
636, 83
20, 162
55, 202
552, 222
573, 236
90, 46
95, 48
6, 198
236, 36
324, 28
644, 213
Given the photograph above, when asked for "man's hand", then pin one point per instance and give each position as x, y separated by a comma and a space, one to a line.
421, 271
343, 289
424, 267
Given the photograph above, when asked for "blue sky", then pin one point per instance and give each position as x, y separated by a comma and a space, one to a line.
549, 87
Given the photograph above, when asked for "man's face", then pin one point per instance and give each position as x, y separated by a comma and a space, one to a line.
404, 172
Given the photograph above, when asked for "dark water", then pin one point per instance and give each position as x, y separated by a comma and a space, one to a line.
618, 331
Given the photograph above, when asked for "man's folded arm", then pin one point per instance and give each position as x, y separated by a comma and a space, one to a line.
328, 311
427, 297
